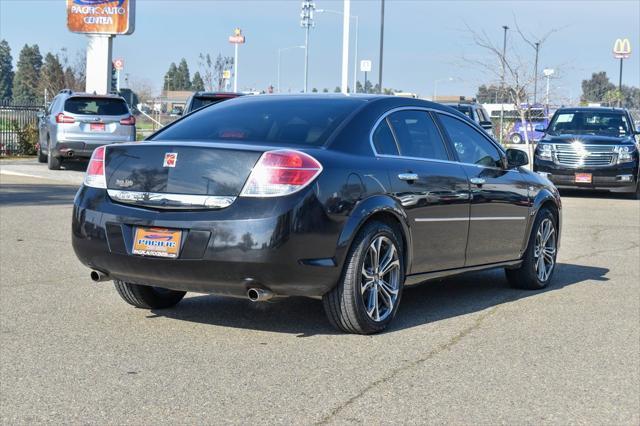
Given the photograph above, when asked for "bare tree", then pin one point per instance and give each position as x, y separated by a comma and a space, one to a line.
213, 71
511, 69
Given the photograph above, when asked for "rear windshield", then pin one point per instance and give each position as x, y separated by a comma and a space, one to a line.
264, 119
197, 103
96, 106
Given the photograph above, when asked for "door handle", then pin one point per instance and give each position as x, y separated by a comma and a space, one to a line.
408, 176
477, 180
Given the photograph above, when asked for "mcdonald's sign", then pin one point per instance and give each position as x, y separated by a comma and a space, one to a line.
622, 48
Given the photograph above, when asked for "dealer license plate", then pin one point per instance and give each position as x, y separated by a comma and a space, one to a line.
159, 242
583, 178
97, 127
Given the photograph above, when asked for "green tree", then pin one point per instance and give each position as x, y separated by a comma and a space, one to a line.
197, 84
337, 89
51, 76
183, 78
6, 71
597, 88
170, 77
325, 90
314, 90
27, 77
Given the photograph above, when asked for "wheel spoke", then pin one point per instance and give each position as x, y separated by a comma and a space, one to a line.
388, 258
389, 267
380, 278
366, 286
386, 297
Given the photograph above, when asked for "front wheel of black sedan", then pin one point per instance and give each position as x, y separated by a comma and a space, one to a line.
539, 260
146, 297
367, 297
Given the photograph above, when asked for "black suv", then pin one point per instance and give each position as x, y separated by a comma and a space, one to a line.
593, 148
475, 112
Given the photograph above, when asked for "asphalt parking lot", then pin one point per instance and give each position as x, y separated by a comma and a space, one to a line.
467, 350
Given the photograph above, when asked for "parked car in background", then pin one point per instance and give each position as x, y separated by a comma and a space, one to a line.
475, 112
176, 111
200, 99
76, 123
344, 198
591, 148
535, 116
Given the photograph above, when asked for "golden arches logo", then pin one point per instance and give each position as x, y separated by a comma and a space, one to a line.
622, 48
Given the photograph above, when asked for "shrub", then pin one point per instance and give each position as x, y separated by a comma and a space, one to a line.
27, 138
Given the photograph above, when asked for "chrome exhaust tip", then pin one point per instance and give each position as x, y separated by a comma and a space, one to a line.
97, 276
259, 294
69, 153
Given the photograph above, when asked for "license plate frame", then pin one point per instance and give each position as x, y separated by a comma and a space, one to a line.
157, 242
583, 178
97, 127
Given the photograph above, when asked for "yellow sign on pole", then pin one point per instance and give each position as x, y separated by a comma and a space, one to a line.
226, 74
622, 48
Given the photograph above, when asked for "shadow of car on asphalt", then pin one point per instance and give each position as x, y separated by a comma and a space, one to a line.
422, 304
36, 195
589, 193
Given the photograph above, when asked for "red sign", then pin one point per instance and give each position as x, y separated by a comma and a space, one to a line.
118, 64
237, 37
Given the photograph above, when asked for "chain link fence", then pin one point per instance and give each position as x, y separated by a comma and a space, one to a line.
18, 128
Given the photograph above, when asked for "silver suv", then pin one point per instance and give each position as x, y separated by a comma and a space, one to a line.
75, 124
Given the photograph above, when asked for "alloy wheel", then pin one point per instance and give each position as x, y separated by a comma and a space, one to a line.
545, 250
380, 278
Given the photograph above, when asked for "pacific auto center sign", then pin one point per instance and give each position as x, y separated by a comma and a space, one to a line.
113, 17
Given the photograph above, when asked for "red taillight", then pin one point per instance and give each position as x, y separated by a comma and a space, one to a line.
61, 118
95, 170
281, 173
129, 121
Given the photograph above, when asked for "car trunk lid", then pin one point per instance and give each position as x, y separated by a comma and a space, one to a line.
178, 175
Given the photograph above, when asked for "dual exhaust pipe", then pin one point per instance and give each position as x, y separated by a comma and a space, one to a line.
254, 294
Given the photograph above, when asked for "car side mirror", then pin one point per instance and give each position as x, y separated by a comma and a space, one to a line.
516, 158
540, 128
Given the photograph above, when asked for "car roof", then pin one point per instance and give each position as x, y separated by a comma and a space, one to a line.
587, 109
217, 94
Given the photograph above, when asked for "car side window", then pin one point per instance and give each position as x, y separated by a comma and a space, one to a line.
472, 147
383, 140
417, 135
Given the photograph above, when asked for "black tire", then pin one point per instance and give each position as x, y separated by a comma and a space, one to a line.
345, 304
42, 158
146, 297
526, 276
53, 162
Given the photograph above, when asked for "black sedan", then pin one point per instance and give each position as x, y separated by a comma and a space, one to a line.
344, 198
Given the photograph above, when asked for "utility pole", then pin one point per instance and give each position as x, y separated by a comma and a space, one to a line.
381, 45
346, 20
504, 52
306, 22
535, 78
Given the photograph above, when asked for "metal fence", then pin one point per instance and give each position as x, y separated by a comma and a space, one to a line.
17, 120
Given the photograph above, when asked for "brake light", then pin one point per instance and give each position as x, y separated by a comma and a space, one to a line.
61, 118
129, 121
280, 173
95, 177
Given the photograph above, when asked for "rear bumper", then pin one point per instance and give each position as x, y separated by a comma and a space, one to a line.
75, 149
619, 178
287, 246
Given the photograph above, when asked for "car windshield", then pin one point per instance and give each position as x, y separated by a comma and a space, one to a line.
96, 106
267, 119
466, 110
603, 123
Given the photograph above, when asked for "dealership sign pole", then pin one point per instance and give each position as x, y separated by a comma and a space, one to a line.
622, 51
236, 39
100, 20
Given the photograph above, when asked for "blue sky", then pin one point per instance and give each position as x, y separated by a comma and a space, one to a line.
424, 40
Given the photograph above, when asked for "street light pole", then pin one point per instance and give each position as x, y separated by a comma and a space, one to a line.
344, 84
535, 78
504, 52
435, 86
381, 45
306, 22
282, 49
548, 72
355, 56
